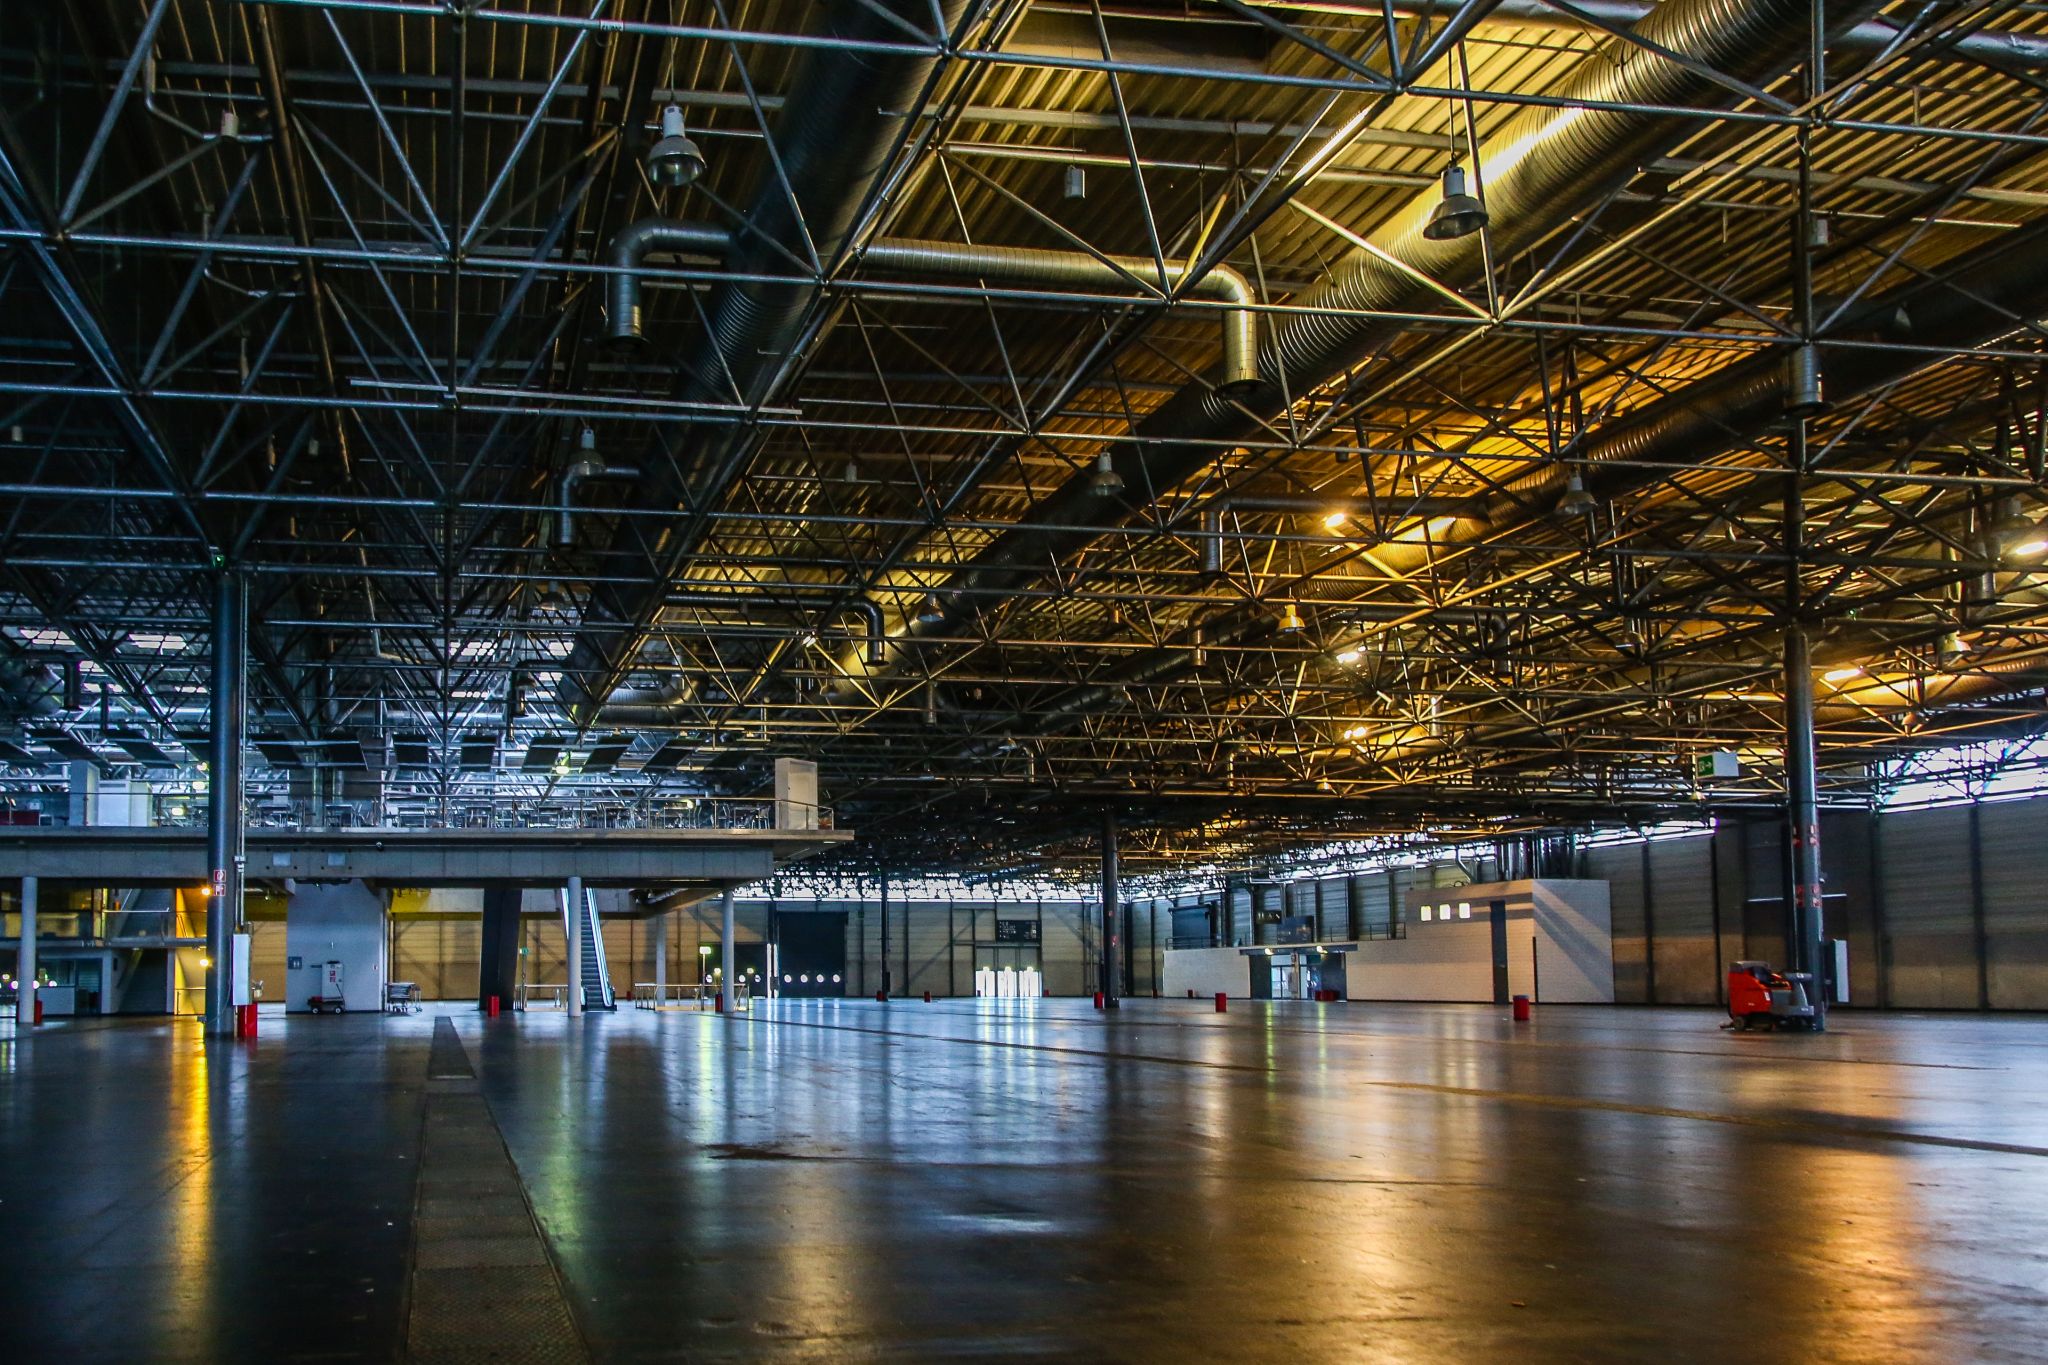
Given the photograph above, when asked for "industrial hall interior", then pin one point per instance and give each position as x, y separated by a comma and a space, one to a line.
1029, 680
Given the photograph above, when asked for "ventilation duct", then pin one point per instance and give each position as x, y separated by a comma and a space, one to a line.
1030, 266
846, 118
1545, 164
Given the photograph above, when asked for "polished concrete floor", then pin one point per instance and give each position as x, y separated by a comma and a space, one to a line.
1031, 1181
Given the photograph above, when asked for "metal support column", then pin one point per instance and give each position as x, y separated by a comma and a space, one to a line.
575, 927
885, 935
661, 957
224, 798
25, 962
1109, 981
728, 955
1802, 816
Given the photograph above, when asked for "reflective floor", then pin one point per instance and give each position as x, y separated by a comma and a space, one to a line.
848, 1181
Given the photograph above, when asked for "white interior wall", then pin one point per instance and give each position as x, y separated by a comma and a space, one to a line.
335, 920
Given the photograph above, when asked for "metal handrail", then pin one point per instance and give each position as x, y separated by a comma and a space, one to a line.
401, 810
532, 991
650, 995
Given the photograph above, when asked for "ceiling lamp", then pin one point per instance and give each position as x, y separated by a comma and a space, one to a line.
1105, 480
1335, 522
2021, 538
1842, 674
1290, 621
675, 159
931, 611
1575, 501
1350, 656
1952, 646
1458, 213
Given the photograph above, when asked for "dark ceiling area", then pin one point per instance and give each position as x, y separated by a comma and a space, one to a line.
1026, 411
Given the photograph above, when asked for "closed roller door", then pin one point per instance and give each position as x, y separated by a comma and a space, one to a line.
1927, 899
1375, 910
1681, 899
2015, 868
928, 939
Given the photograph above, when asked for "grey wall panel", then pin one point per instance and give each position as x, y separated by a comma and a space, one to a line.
2014, 860
1680, 911
1621, 867
1927, 896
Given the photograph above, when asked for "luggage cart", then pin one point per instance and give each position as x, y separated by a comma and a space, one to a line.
402, 997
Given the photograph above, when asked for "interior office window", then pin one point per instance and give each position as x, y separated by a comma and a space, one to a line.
1464, 909
1425, 913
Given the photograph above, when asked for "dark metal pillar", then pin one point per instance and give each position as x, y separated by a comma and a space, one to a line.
1109, 980
224, 798
1802, 816
885, 935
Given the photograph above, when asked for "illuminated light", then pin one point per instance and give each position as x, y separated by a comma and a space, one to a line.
785, 978
206, 891
805, 977
704, 950
206, 962
2031, 546
1336, 521
1842, 674
1350, 656
835, 978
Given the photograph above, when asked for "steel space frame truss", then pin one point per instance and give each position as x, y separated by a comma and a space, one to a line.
311, 289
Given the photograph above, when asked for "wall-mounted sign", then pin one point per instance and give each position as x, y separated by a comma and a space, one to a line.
1016, 931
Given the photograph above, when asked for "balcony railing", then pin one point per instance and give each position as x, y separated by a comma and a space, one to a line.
480, 811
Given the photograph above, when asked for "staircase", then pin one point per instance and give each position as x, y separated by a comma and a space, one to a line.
597, 978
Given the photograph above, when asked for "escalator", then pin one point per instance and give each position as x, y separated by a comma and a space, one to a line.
597, 978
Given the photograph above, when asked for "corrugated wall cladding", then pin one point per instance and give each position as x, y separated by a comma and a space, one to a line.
1942, 909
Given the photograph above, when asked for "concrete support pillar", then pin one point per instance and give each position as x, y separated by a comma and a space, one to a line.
574, 925
224, 799
499, 966
1112, 916
661, 956
1802, 817
728, 945
25, 964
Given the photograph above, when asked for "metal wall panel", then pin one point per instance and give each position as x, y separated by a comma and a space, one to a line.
2014, 860
1621, 867
1930, 925
1680, 912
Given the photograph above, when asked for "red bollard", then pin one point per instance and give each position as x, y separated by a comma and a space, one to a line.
927, 997
39, 1007
1098, 999
881, 997
1521, 1009
1222, 1002
245, 1021
718, 1002
491, 1007
1191, 992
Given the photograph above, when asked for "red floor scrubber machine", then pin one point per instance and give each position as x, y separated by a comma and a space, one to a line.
1761, 998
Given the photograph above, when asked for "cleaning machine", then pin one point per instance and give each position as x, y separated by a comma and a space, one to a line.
1761, 998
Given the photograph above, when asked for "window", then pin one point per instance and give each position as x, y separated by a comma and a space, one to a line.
1425, 914
1464, 909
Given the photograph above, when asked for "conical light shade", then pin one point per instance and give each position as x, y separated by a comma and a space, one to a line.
1459, 214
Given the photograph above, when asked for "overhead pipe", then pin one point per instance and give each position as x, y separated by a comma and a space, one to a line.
586, 468
1542, 166
874, 636
962, 261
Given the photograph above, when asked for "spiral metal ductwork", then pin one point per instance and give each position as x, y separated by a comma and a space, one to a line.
834, 138
1545, 164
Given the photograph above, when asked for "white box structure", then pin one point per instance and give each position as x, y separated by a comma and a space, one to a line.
1554, 943
796, 794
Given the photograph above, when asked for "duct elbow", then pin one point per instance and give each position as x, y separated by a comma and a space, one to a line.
875, 639
1240, 378
628, 253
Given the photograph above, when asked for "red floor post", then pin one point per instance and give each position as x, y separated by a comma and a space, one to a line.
1222, 1002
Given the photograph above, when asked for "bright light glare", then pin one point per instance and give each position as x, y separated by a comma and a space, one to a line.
1350, 656
2031, 546
1843, 674
1335, 521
